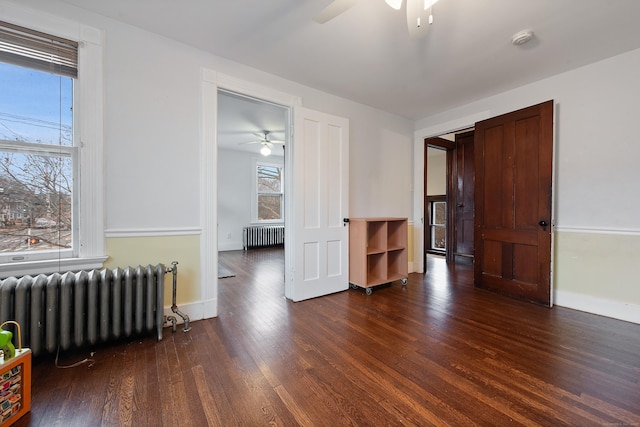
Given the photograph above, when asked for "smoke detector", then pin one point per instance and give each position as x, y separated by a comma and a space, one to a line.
521, 37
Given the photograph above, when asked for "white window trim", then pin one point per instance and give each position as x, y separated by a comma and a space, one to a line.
88, 135
254, 192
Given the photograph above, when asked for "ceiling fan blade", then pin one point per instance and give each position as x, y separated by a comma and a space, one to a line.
335, 8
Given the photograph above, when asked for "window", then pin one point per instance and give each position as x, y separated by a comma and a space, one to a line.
437, 223
36, 142
45, 100
269, 193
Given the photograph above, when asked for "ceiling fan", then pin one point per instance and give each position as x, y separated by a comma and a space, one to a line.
265, 141
418, 13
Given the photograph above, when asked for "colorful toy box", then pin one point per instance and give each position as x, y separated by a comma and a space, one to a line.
15, 378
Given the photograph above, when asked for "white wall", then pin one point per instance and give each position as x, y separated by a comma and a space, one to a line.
152, 129
596, 138
597, 211
235, 192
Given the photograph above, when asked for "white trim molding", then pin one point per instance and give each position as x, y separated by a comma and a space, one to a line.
600, 306
197, 310
209, 189
211, 82
33, 268
153, 232
598, 230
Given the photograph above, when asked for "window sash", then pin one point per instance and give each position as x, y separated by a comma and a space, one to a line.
266, 192
280, 206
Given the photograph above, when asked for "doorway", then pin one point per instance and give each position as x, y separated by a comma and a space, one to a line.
320, 148
512, 202
449, 196
211, 83
252, 139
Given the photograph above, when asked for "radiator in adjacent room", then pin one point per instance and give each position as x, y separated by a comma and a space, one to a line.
84, 308
262, 236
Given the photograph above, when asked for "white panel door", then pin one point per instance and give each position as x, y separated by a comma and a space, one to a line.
320, 203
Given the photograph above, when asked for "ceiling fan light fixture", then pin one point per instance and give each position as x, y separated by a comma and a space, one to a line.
395, 4
417, 19
265, 150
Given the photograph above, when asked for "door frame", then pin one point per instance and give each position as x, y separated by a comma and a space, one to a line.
448, 146
453, 181
419, 164
211, 82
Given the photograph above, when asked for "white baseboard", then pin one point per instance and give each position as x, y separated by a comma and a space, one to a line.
230, 246
195, 310
602, 307
615, 309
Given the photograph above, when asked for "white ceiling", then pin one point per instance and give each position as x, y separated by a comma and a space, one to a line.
366, 54
241, 120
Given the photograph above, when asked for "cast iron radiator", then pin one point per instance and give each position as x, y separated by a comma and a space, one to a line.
262, 235
84, 308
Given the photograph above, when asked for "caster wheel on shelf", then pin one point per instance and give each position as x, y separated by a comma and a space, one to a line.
404, 281
352, 286
369, 291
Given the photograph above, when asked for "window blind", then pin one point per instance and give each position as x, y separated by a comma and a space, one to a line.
29, 48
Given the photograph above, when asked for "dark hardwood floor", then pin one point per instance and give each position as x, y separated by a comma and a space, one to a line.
436, 352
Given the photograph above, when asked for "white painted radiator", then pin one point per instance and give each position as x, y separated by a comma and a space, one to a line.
262, 236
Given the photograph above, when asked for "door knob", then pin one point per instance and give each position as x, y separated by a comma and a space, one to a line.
543, 224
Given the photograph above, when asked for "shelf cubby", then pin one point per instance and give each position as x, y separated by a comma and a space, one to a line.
376, 237
397, 264
377, 251
376, 269
396, 234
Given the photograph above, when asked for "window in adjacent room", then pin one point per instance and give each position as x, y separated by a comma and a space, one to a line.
437, 224
38, 154
269, 194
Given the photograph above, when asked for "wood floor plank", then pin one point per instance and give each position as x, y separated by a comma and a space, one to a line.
206, 397
146, 396
436, 352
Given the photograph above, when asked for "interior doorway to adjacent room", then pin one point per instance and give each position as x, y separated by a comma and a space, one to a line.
252, 139
448, 198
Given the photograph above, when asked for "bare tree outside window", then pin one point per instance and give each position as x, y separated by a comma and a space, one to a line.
35, 202
269, 185
36, 160
438, 225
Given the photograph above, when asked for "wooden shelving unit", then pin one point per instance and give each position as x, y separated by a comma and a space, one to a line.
377, 251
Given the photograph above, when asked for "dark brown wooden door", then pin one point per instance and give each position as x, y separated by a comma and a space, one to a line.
513, 158
463, 191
